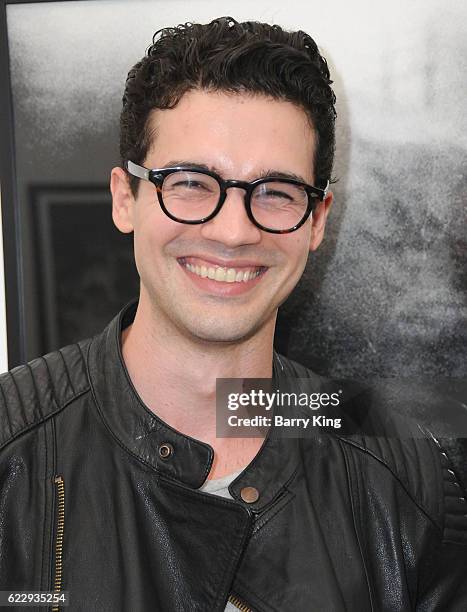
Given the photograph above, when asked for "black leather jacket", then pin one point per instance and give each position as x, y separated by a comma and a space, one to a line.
88, 505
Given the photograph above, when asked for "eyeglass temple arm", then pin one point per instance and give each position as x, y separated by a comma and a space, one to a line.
136, 170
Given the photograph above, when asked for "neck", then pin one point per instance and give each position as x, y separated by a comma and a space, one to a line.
175, 376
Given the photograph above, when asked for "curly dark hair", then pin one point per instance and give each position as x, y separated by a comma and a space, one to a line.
225, 55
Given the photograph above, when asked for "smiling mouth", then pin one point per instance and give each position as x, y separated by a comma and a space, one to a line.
223, 274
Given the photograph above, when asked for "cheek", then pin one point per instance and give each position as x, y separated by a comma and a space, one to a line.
142, 249
296, 248
151, 234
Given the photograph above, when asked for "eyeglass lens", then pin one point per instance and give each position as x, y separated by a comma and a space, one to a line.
191, 196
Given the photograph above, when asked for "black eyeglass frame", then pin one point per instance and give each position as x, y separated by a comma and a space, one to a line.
158, 175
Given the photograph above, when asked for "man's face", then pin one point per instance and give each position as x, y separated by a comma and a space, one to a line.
238, 136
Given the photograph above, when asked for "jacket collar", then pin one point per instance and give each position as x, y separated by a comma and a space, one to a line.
142, 433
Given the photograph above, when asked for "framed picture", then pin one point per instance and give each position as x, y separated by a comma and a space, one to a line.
84, 266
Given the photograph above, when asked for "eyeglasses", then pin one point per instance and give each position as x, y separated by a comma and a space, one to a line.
189, 195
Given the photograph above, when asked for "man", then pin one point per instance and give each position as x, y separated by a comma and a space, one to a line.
114, 485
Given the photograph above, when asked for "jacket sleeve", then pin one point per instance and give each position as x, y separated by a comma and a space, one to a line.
445, 584
438, 409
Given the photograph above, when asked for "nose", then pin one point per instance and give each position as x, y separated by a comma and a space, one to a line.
231, 225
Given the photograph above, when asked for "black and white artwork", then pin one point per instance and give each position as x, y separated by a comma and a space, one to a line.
386, 293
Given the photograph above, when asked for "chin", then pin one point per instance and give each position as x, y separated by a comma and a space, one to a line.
222, 332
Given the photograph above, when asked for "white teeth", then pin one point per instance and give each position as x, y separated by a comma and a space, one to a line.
226, 275
220, 274
230, 276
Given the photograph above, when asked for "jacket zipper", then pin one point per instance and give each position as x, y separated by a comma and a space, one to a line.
239, 604
60, 488
233, 599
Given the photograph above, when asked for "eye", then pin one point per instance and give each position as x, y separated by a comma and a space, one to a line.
280, 194
275, 193
190, 181
190, 184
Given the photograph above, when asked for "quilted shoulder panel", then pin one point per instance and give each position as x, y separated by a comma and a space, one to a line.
32, 392
455, 498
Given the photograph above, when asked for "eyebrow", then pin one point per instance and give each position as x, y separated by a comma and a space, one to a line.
261, 174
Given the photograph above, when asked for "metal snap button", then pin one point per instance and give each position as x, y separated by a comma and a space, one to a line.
165, 450
249, 495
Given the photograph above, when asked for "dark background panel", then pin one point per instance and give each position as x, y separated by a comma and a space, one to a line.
84, 267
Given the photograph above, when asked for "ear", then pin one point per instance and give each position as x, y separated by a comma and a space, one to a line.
123, 201
318, 221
